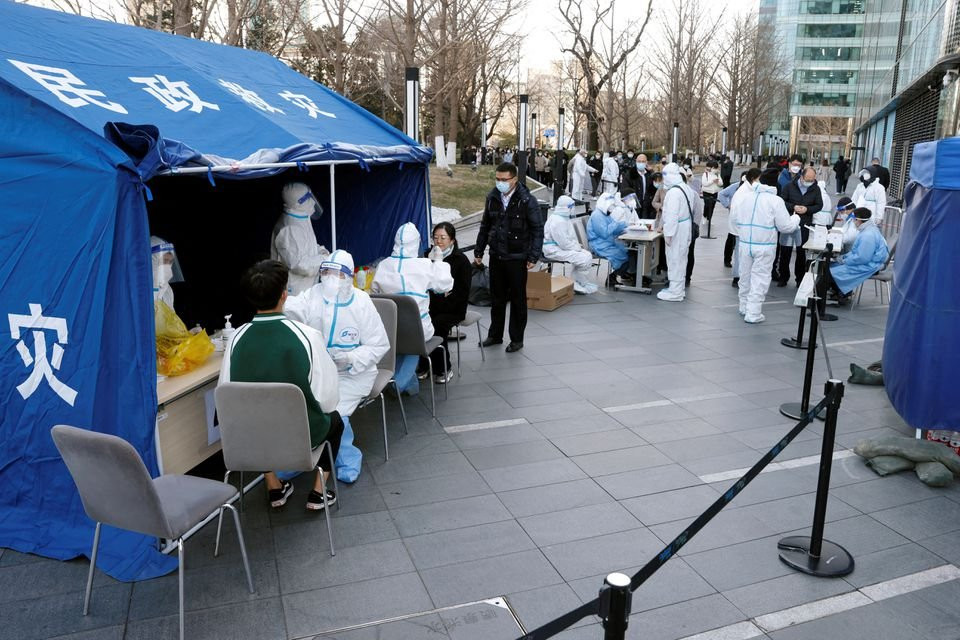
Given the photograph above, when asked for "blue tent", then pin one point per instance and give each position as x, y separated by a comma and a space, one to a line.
76, 334
921, 351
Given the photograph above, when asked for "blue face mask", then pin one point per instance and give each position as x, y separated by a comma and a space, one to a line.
641, 166
503, 187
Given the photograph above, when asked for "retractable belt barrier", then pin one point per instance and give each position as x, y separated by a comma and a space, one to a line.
613, 603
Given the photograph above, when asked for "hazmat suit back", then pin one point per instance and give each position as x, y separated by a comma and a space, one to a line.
560, 244
872, 196
580, 173
404, 272
759, 215
610, 177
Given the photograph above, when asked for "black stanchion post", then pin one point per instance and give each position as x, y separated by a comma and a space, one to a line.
615, 603
825, 259
814, 555
798, 410
797, 343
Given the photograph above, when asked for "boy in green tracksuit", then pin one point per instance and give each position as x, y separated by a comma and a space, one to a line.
272, 348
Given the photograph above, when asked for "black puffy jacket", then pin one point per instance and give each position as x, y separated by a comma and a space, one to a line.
514, 234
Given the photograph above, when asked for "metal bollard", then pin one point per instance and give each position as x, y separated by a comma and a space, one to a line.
814, 555
615, 602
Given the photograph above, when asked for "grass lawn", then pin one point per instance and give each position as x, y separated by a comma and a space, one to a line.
465, 191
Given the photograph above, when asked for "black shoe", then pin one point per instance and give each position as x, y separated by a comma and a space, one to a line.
315, 501
727, 264
278, 497
422, 374
514, 346
735, 283
489, 342
782, 283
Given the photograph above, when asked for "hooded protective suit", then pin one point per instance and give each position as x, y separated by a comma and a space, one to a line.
351, 327
758, 215
294, 242
677, 229
406, 273
610, 177
166, 269
872, 195
867, 256
625, 210
580, 171
603, 231
561, 245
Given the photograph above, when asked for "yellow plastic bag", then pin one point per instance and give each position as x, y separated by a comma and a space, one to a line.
178, 350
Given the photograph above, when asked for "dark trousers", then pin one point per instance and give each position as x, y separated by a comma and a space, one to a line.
709, 203
728, 248
842, 185
508, 283
442, 324
799, 265
693, 243
333, 437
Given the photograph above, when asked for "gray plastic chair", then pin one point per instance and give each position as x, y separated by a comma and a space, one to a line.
386, 368
883, 278
410, 340
117, 490
264, 427
469, 319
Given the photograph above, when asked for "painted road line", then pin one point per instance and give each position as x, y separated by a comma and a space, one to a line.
842, 344
641, 405
912, 582
812, 611
478, 426
806, 461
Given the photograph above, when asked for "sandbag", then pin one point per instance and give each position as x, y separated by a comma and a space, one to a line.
859, 375
934, 474
887, 465
911, 449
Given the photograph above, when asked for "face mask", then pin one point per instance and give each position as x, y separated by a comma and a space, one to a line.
794, 169
641, 166
657, 185
329, 287
164, 275
446, 252
805, 184
503, 187
629, 155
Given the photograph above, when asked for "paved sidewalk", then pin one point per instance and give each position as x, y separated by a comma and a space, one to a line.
616, 416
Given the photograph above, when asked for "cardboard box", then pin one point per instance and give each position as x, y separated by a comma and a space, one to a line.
546, 293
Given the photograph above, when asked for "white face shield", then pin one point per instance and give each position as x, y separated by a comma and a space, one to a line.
163, 259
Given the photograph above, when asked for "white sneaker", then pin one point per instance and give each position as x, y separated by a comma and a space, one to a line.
754, 319
443, 379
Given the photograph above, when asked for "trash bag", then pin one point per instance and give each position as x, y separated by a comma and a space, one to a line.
480, 287
178, 350
887, 465
934, 474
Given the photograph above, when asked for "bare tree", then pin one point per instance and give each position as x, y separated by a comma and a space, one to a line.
598, 62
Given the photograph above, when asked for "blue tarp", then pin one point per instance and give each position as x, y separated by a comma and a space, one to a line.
76, 330
921, 351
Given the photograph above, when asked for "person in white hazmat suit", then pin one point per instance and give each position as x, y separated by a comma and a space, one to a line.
758, 215
166, 269
354, 337
560, 244
580, 173
676, 221
294, 242
406, 273
626, 209
870, 194
610, 176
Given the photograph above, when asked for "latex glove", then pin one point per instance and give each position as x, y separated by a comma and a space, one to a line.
343, 360
436, 254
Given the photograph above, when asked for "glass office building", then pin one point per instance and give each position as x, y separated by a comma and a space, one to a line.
908, 91
823, 47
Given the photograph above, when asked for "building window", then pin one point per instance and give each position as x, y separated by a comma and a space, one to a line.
831, 7
807, 76
823, 99
837, 54
829, 30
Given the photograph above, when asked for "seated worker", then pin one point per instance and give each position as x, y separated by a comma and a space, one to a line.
865, 258
626, 209
603, 233
448, 309
405, 272
294, 243
560, 244
273, 348
352, 334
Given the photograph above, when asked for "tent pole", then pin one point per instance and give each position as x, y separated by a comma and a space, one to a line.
333, 208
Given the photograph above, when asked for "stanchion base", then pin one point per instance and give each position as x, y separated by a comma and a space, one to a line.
827, 317
793, 344
834, 560
792, 410
708, 237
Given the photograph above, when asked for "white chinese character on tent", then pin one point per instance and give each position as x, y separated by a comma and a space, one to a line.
67, 87
175, 96
305, 103
42, 368
250, 97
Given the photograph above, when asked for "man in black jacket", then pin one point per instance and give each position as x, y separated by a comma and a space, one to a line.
512, 225
802, 197
726, 170
883, 174
638, 179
